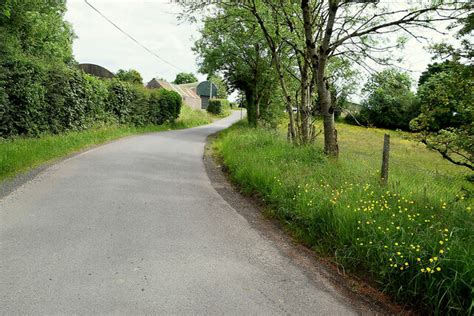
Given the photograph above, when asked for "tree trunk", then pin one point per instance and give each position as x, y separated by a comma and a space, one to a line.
320, 59
304, 112
251, 108
331, 147
306, 66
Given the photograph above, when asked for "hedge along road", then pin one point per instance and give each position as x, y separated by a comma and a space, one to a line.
136, 227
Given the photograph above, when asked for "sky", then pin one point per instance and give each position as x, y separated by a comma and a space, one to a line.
154, 24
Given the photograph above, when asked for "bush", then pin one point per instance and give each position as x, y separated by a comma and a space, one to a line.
217, 106
96, 93
37, 99
24, 110
65, 100
119, 100
164, 106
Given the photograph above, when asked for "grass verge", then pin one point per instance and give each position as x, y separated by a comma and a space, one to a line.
21, 154
414, 238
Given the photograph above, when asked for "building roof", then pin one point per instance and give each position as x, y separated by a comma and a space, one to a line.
96, 70
187, 90
206, 88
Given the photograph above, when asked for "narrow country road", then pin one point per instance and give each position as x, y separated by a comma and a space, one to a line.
135, 227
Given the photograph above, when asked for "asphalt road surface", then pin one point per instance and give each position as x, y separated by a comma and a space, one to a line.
135, 227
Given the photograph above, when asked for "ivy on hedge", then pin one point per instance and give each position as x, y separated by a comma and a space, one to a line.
36, 99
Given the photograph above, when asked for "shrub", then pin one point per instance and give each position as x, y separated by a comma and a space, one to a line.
66, 100
36, 98
24, 111
164, 106
96, 94
119, 100
217, 106
139, 107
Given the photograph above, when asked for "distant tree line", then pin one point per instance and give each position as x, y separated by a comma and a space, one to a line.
442, 111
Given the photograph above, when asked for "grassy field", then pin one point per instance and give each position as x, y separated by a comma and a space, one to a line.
21, 154
414, 238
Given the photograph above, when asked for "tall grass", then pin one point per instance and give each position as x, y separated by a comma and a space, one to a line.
21, 154
413, 238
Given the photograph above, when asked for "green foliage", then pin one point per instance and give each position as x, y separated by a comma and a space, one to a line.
37, 99
35, 29
184, 77
390, 103
24, 107
464, 48
131, 76
20, 154
218, 106
446, 122
164, 106
222, 89
65, 99
413, 238
119, 100
435, 68
231, 44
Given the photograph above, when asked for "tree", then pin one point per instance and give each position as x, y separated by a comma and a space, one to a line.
305, 37
351, 30
35, 29
222, 89
389, 102
131, 75
230, 44
464, 36
435, 68
445, 91
184, 77
446, 122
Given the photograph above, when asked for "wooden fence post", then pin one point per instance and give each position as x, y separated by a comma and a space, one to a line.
385, 156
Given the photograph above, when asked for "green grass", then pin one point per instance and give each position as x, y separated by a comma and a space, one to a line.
413, 239
21, 154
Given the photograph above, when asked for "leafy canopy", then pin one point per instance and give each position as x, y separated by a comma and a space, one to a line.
184, 77
390, 102
131, 76
446, 121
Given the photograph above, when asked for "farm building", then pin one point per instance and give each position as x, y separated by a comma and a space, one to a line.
96, 70
195, 94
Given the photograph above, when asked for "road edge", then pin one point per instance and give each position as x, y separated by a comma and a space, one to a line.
362, 296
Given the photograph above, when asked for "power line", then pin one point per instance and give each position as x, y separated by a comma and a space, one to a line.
131, 37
